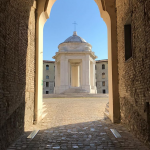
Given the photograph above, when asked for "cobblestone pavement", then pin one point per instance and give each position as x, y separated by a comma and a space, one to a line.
77, 123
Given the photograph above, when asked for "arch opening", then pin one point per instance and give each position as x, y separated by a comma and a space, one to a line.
43, 13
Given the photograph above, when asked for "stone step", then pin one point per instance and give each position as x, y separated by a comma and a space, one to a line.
73, 95
75, 90
106, 113
107, 105
106, 109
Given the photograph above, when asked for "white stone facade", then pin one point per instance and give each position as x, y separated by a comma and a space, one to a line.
75, 66
98, 76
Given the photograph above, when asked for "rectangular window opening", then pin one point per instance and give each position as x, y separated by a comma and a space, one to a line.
47, 84
104, 91
103, 83
128, 41
47, 67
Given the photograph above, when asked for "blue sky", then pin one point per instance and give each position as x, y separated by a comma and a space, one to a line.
90, 26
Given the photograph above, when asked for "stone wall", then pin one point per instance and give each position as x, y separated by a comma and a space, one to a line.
134, 74
17, 67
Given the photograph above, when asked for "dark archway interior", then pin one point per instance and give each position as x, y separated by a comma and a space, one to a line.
17, 66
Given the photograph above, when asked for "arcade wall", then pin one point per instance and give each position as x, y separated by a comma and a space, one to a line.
134, 73
17, 68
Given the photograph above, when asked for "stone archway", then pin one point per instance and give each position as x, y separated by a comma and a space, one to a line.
107, 12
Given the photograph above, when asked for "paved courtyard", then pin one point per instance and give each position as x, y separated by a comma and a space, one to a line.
77, 123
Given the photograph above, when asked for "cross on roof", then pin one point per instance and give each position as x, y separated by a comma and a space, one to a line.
75, 26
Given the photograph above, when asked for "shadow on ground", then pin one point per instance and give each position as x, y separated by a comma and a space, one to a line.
94, 135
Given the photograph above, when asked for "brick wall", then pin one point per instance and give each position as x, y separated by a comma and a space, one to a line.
30, 69
17, 67
134, 74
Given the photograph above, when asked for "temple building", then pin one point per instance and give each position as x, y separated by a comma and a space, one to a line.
75, 66
101, 76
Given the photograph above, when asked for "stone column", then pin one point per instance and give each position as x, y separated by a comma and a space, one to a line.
56, 78
69, 74
66, 71
80, 75
87, 70
56, 75
62, 74
93, 72
64, 78
78, 78
83, 71
86, 73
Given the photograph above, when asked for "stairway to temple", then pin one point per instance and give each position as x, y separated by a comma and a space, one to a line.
74, 90
74, 95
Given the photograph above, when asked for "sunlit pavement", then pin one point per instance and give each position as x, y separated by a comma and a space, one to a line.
77, 123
